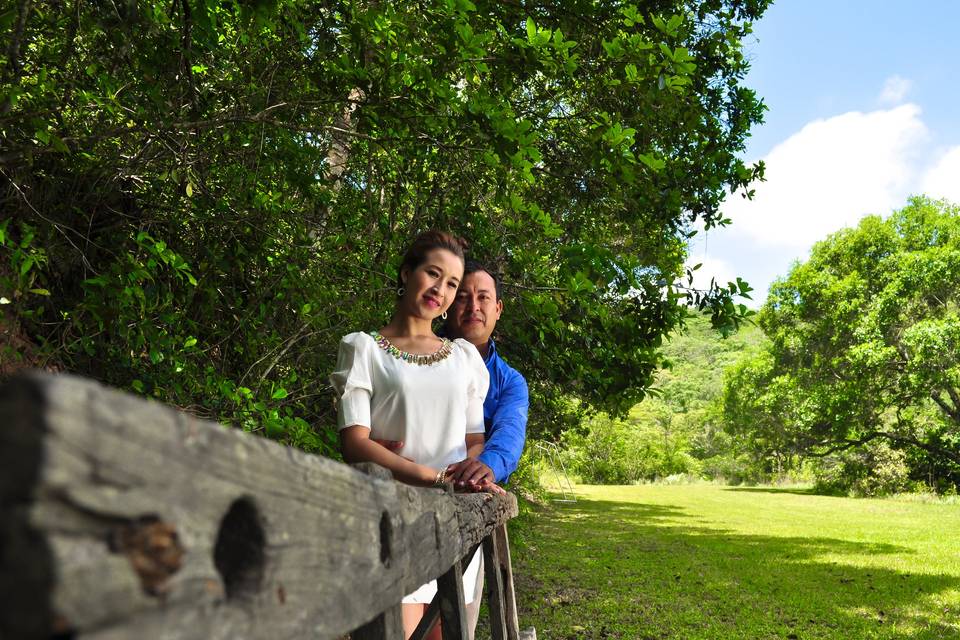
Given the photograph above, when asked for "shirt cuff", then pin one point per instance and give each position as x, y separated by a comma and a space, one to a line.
496, 465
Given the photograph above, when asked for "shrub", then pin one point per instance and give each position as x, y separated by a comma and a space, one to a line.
875, 469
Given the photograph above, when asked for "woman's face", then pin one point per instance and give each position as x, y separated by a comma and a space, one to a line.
431, 288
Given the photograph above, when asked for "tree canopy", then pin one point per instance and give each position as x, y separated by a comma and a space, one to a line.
200, 197
864, 349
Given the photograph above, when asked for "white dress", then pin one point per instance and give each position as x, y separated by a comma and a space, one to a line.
430, 407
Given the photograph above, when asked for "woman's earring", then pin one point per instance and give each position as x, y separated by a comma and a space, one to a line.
444, 315
400, 292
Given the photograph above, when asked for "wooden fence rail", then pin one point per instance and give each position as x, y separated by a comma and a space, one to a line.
123, 518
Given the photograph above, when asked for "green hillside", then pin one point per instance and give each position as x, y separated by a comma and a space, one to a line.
677, 428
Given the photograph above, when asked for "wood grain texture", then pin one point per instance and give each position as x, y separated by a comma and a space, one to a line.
121, 517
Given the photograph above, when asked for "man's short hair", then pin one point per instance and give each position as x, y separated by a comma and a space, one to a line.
472, 266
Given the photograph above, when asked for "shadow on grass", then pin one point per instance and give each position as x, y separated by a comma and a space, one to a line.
604, 569
805, 491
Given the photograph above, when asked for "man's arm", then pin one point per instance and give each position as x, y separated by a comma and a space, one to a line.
502, 451
508, 429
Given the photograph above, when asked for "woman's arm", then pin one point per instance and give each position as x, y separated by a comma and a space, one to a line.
356, 446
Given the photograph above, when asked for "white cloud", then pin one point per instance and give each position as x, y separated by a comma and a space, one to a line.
943, 179
830, 174
895, 89
710, 268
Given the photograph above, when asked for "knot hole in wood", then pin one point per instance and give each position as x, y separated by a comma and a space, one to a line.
239, 553
386, 533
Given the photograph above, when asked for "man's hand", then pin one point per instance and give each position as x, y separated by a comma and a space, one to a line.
471, 474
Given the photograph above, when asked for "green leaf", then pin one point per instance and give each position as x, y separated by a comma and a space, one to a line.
189, 342
531, 30
279, 394
654, 163
40, 292
57, 143
7, 19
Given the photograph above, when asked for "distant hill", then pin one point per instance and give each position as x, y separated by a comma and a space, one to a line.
698, 356
677, 428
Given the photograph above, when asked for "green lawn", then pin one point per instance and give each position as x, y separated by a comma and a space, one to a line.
701, 561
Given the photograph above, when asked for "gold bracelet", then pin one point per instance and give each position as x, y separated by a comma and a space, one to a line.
441, 477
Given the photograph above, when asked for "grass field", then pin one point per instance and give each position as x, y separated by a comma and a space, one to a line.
702, 561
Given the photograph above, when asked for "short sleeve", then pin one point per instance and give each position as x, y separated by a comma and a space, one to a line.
351, 381
477, 387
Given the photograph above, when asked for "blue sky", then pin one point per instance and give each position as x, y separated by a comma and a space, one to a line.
862, 100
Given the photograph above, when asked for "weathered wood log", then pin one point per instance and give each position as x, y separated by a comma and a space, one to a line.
120, 517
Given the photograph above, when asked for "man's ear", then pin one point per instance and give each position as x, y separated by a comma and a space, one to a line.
499, 308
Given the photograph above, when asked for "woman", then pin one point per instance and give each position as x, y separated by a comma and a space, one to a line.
403, 383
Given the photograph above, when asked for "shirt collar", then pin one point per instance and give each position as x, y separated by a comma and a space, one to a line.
491, 351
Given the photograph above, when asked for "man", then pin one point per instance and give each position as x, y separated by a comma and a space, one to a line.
473, 316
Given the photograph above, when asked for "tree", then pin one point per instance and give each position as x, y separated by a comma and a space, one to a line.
203, 196
864, 346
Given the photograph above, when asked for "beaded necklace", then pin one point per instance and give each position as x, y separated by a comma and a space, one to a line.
413, 358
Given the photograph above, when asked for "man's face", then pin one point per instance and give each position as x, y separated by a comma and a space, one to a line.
475, 310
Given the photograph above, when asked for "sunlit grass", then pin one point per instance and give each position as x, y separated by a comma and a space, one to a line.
703, 561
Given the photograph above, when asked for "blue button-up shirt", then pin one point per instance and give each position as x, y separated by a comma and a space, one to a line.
505, 416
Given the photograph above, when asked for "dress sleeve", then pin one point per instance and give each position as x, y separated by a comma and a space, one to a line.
351, 382
476, 388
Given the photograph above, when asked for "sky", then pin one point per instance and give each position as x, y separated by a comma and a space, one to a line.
863, 100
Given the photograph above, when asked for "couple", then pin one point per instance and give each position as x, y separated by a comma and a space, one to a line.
433, 409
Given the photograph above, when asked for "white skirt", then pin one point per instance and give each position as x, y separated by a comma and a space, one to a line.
426, 592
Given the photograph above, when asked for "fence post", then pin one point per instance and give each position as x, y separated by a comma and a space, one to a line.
386, 626
453, 614
494, 576
501, 541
